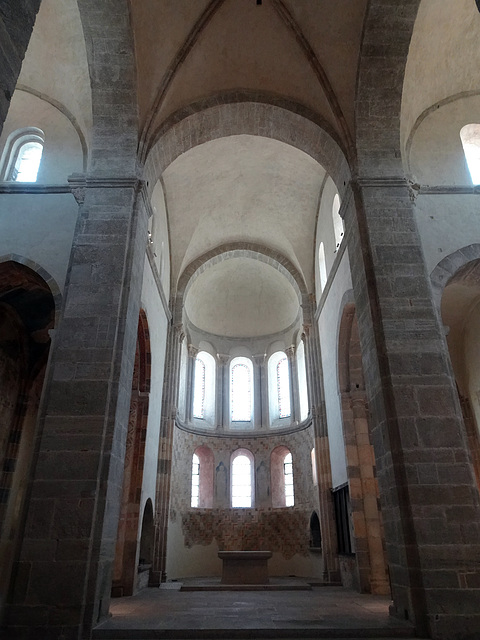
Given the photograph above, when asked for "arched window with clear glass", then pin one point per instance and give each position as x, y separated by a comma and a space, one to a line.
204, 389
22, 155
279, 388
322, 266
242, 479
470, 137
241, 390
302, 381
199, 389
337, 222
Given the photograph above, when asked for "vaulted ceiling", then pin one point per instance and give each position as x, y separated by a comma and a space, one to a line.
298, 49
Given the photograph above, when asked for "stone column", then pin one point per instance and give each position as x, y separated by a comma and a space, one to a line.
189, 386
430, 501
222, 391
64, 572
331, 572
16, 24
259, 391
165, 450
294, 389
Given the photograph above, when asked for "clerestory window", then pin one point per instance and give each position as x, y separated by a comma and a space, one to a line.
470, 136
199, 389
337, 222
204, 389
283, 388
22, 155
279, 399
322, 266
241, 390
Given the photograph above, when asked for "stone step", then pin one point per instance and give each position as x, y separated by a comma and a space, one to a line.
254, 634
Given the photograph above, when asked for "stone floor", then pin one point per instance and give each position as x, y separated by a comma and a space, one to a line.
323, 612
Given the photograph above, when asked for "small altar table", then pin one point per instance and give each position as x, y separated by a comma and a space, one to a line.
245, 567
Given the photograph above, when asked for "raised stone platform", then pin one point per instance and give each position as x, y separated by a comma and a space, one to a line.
214, 584
245, 567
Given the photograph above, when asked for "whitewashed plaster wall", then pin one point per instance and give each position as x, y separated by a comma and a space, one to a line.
55, 63
444, 57
434, 153
62, 150
446, 223
328, 326
39, 227
158, 327
158, 227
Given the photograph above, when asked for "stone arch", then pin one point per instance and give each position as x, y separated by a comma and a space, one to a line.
379, 87
125, 572
43, 274
448, 267
242, 250
370, 571
147, 534
315, 532
27, 313
248, 117
456, 285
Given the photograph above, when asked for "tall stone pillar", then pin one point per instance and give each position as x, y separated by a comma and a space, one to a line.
331, 572
165, 450
430, 501
64, 573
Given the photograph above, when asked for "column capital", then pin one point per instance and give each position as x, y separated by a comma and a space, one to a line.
290, 352
193, 351
178, 332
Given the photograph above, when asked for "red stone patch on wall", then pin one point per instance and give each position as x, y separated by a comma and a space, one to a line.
284, 531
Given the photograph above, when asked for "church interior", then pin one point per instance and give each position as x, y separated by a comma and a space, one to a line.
239, 302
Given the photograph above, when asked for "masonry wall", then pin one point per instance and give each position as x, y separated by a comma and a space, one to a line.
196, 535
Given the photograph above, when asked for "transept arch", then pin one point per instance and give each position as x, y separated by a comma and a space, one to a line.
457, 295
381, 72
250, 118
